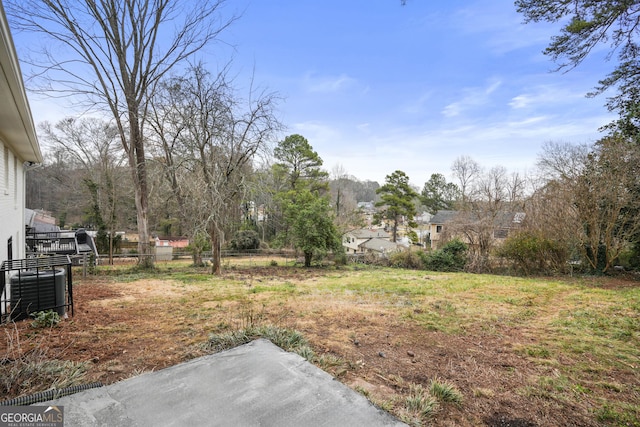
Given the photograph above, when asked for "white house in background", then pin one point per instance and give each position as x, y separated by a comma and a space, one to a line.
19, 147
364, 240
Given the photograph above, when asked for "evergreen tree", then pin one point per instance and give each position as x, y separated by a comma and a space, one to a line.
396, 201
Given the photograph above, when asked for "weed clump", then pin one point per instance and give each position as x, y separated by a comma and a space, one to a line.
24, 373
287, 339
421, 404
445, 391
45, 319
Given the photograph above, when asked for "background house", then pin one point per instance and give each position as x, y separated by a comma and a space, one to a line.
363, 241
437, 224
19, 148
462, 223
40, 221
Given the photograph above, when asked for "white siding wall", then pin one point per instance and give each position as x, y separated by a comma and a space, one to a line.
11, 204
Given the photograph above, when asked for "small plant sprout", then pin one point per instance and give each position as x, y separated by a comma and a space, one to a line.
45, 319
445, 391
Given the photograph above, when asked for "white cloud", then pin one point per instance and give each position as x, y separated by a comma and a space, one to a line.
452, 110
544, 96
327, 84
474, 97
419, 105
520, 101
364, 127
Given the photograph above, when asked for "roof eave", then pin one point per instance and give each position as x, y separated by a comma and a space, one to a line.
17, 128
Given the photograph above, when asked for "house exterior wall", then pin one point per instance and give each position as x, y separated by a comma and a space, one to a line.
351, 243
18, 144
502, 227
353, 240
12, 199
435, 232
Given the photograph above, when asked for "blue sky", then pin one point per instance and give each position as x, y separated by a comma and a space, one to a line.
377, 87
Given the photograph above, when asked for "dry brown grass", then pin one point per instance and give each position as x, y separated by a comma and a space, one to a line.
520, 351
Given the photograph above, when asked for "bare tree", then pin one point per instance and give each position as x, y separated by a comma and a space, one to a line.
264, 185
92, 143
209, 137
589, 199
466, 170
492, 199
607, 203
562, 160
343, 199
516, 190
117, 51
56, 187
551, 210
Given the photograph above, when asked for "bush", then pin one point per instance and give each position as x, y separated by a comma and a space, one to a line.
533, 253
451, 257
406, 259
245, 240
340, 257
630, 258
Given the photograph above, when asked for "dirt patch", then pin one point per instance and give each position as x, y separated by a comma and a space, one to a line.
123, 329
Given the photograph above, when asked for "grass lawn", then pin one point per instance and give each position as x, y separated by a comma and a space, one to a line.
431, 348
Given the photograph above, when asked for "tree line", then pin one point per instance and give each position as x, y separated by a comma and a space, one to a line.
581, 203
177, 147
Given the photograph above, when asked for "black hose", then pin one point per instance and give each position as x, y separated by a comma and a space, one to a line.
43, 396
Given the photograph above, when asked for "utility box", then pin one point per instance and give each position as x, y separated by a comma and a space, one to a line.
37, 290
35, 284
163, 253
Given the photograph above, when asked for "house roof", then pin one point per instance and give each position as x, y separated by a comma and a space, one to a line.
503, 219
379, 245
509, 219
17, 130
442, 217
369, 234
40, 221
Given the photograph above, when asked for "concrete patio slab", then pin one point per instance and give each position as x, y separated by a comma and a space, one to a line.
257, 384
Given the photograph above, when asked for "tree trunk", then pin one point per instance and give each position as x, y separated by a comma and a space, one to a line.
395, 229
307, 259
138, 165
111, 246
215, 250
197, 258
145, 259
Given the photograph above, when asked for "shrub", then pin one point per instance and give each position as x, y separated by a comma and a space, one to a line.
340, 257
451, 257
455, 248
245, 240
198, 244
406, 259
630, 257
533, 253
